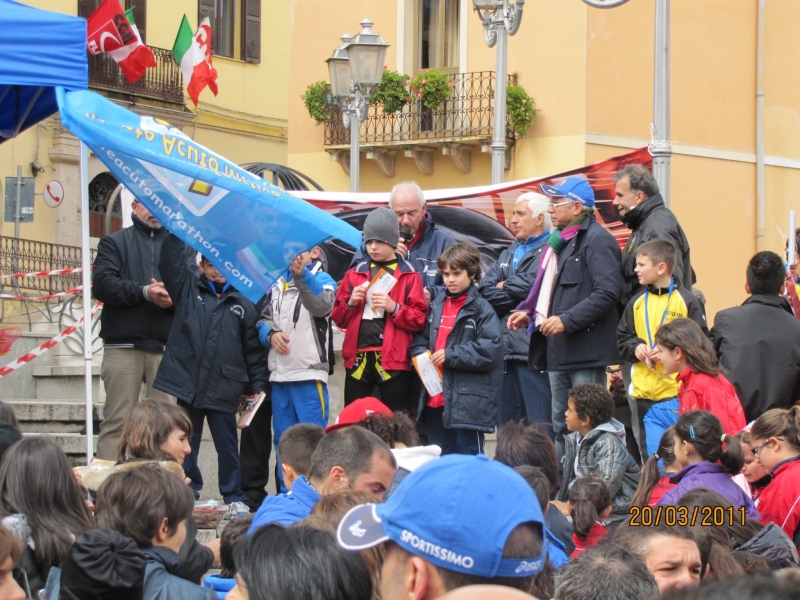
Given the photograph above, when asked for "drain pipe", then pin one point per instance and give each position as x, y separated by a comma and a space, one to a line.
760, 245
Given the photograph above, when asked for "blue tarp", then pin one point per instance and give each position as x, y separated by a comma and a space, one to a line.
39, 50
250, 229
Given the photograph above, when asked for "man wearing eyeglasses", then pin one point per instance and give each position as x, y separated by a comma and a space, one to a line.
571, 309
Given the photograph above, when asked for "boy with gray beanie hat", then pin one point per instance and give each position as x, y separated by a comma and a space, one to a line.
380, 324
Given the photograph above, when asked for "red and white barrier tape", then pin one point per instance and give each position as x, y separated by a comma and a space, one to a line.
42, 273
35, 353
76, 290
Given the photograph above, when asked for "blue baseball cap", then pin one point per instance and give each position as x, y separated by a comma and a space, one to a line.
573, 188
457, 513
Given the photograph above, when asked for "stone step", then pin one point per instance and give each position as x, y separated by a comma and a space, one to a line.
58, 382
54, 410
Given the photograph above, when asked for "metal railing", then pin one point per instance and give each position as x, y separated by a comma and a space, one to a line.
163, 82
32, 256
467, 113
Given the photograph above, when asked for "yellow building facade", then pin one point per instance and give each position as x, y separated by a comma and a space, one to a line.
591, 74
246, 122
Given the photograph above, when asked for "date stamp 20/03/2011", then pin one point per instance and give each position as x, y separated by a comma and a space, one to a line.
705, 516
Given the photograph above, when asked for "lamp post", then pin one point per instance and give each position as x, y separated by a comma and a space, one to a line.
500, 18
355, 68
660, 146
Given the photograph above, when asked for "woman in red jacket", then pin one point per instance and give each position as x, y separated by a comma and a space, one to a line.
775, 438
685, 349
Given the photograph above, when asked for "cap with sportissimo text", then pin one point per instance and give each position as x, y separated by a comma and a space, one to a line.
457, 513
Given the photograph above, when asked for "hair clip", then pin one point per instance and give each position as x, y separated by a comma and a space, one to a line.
691, 431
656, 456
722, 438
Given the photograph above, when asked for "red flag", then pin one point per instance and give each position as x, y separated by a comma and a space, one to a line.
203, 39
108, 29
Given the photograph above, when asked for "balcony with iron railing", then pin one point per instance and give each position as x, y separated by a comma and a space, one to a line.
462, 122
163, 82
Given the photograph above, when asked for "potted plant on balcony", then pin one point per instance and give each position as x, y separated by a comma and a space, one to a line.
519, 110
391, 93
317, 101
432, 87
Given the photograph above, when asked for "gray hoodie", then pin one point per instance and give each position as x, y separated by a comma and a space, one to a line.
602, 452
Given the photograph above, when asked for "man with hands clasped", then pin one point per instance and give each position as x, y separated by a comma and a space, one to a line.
296, 328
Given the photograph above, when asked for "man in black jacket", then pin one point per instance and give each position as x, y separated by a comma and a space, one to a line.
526, 393
577, 336
135, 321
213, 358
759, 342
643, 211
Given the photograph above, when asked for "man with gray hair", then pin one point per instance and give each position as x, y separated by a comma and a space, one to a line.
525, 393
643, 211
420, 242
606, 572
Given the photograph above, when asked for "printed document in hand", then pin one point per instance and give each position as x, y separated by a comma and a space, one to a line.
430, 375
382, 282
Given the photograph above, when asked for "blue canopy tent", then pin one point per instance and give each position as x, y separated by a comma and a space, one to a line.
39, 51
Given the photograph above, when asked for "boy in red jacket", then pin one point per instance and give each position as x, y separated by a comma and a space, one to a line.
379, 324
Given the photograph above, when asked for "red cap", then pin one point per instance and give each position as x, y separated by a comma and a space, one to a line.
358, 411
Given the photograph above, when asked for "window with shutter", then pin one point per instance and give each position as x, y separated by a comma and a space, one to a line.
251, 31
209, 8
139, 16
87, 7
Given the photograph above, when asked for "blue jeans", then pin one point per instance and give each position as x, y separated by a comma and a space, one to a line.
654, 419
296, 402
452, 440
560, 384
525, 394
226, 441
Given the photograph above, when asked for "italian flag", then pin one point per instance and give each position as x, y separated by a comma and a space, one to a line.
193, 54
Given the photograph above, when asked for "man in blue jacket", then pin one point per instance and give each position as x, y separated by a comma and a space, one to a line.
574, 333
526, 393
213, 358
350, 458
421, 243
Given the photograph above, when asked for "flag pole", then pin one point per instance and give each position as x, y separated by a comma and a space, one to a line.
87, 299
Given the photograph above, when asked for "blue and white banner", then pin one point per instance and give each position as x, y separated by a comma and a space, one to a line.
250, 229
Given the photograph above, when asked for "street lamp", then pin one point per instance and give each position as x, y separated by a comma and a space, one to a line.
500, 18
355, 68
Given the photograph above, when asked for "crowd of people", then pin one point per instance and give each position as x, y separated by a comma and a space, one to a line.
639, 452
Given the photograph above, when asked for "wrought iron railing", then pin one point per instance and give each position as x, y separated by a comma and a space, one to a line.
32, 256
163, 82
467, 113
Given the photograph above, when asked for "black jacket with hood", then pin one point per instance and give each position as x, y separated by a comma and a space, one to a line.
213, 354
652, 220
758, 344
516, 288
473, 364
126, 262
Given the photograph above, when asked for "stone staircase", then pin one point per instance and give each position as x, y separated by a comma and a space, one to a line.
48, 394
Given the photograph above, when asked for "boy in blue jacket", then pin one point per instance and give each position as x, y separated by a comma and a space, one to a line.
463, 334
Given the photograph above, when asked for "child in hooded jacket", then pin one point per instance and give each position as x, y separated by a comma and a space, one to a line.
596, 446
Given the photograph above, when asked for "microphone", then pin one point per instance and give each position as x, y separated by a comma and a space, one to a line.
405, 235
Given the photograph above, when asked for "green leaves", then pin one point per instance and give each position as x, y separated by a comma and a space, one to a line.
391, 93
432, 87
519, 109
316, 98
